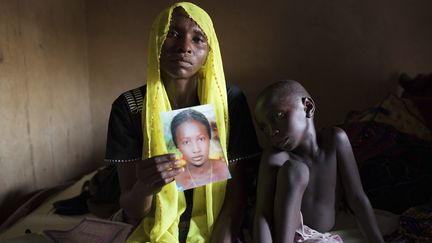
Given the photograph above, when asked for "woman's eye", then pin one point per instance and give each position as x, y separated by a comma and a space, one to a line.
199, 39
185, 142
172, 33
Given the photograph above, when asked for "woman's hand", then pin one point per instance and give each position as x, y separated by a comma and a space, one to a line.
150, 176
155, 172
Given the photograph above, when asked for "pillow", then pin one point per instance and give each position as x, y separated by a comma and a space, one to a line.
415, 225
400, 113
419, 90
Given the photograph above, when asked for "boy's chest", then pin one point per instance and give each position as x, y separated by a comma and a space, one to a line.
322, 180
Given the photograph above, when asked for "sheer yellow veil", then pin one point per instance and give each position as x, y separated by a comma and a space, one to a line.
161, 225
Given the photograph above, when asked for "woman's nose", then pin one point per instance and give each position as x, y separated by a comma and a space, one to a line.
184, 45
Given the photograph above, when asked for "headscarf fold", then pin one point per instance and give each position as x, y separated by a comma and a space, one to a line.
161, 225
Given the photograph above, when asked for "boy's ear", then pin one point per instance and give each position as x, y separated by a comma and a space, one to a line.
309, 106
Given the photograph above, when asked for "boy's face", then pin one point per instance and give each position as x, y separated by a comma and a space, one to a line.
282, 122
193, 142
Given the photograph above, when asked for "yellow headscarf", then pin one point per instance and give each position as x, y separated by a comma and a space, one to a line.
161, 225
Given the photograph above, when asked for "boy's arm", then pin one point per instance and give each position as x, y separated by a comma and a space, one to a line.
263, 217
355, 195
292, 181
274, 204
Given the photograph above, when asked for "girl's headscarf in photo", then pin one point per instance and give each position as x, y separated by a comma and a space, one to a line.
161, 225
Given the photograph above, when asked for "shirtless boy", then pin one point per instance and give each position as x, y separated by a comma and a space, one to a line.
304, 174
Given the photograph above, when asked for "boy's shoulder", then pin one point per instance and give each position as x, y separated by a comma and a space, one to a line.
331, 132
275, 158
331, 137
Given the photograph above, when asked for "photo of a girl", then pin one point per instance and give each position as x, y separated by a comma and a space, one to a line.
195, 139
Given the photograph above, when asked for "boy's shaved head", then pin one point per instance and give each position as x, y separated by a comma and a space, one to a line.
283, 91
284, 112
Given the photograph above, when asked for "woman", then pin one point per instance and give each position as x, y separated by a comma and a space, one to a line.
184, 69
191, 134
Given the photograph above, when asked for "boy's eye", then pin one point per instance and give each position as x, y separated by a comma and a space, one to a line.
280, 115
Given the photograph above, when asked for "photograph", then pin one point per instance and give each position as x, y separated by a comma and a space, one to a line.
215, 121
192, 135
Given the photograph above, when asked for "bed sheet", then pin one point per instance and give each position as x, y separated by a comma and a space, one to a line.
43, 217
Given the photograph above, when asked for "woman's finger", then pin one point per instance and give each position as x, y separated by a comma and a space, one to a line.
168, 174
148, 178
156, 164
164, 158
169, 165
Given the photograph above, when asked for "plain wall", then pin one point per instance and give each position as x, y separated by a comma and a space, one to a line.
63, 62
348, 54
45, 119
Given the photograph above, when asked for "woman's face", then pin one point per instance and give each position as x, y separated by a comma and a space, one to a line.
193, 142
185, 49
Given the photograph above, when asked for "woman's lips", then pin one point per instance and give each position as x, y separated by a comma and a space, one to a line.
182, 62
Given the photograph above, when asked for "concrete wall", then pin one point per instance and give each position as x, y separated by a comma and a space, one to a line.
45, 119
346, 52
